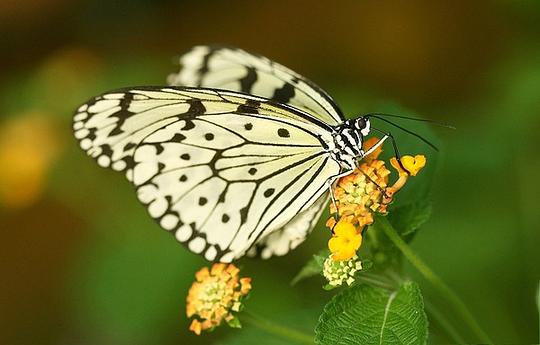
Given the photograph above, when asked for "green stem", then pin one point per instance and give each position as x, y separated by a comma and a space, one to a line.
437, 282
444, 323
274, 328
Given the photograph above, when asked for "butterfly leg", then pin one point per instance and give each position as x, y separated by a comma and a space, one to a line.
368, 152
331, 189
377, 144
381, 189
330, 183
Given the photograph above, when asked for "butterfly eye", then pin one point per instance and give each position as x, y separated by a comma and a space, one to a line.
360, 123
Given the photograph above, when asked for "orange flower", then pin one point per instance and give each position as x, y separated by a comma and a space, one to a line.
215, 295
367, 145
366, 190
345, 241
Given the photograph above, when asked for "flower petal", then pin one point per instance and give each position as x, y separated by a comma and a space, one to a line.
398, 167
368, 144
195, 327
414, 164
345, 229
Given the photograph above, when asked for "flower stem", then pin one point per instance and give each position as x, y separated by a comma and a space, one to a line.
444, 323
435, 280
280, 330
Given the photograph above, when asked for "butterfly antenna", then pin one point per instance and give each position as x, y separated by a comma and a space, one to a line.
405, 130
445, 125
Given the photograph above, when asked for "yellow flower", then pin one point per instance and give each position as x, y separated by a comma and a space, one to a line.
345, 241
412, 164
215, 295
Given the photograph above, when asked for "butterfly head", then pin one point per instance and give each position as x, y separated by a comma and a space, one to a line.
362, 125
348, 140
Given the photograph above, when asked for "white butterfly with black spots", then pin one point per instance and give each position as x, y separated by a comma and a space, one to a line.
237, 154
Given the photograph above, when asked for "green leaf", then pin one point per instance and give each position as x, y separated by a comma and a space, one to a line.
329, 287
313, 267
366, 266
234, 323
367, 315
407, 219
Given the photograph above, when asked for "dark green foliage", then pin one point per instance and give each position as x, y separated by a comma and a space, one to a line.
369, 315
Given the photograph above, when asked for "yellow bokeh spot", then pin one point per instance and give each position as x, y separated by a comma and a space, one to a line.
28, 146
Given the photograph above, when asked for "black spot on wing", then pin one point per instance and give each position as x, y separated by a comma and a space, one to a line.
130, 162
282, 132
204, 66
189, 125
250, 107
159, 147
247, 82
225, 218
106, 150
196, 108
129, 146
123, 114
284, 94
268, 193
243, 214
91, 133
178, 138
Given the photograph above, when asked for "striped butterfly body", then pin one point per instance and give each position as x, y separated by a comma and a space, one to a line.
237, 154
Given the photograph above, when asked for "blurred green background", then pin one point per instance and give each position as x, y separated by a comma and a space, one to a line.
82, 263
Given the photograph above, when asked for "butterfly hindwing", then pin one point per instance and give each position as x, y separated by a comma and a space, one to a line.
237, 70
292, 234
220, 170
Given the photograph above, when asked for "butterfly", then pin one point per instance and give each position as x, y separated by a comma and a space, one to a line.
235, 156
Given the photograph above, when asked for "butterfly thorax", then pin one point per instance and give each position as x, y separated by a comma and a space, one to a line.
348, 139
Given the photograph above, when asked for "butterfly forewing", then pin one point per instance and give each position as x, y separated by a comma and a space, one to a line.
237, 70
221, 170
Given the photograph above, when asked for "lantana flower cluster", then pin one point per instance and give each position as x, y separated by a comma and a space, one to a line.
358, 197
215, 296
